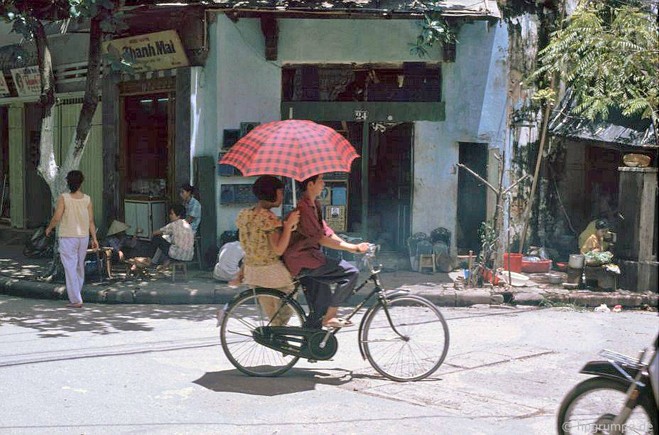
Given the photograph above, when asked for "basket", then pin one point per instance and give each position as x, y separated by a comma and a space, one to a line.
512, 262
541, 266
636, 160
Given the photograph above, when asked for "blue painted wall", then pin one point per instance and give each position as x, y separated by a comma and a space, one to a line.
240, 85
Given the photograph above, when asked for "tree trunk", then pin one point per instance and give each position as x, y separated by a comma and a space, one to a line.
48, 169
47, 165
89, 103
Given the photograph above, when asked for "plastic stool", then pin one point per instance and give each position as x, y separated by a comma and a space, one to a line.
426, 261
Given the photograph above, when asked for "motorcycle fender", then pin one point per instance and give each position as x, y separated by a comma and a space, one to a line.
606, 370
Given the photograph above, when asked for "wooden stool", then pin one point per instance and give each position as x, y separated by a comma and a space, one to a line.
426, 261
103, 258
181, 266
197, 251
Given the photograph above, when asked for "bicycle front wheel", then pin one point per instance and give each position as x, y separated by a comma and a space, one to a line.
407, 339
262, 307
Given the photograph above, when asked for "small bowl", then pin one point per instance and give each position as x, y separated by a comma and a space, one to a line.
554, 278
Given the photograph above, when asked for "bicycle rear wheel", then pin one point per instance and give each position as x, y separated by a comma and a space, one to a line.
407, 340
249, 312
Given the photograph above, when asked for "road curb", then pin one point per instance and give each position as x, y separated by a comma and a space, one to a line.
32, 289
215, 293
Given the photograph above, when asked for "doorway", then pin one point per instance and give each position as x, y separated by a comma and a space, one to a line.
472, 197
4, 163
390, 184
147, 154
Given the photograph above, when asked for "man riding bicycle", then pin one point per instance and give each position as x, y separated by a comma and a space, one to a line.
304, 255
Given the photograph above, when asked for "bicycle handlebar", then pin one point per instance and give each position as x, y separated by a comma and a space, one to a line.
372, 250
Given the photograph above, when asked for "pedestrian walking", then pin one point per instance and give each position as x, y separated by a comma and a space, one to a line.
74, 219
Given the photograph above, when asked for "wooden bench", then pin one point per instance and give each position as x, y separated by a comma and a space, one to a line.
604, 279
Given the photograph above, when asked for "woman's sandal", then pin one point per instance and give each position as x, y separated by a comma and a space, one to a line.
338, 323
74, 305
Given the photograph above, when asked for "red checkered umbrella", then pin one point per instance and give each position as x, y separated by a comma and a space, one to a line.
293, 148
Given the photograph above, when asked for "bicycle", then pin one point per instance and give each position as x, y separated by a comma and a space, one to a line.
404, 337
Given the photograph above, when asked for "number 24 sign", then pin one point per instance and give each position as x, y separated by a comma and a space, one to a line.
361, 115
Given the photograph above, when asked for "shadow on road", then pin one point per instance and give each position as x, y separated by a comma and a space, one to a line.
59, 321
294, 381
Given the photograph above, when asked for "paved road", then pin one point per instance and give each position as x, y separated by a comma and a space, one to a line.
110, 369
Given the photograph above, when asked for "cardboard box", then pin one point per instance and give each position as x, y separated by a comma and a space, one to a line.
335, 216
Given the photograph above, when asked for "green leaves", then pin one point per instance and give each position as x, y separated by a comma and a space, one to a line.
608, 54
434, 28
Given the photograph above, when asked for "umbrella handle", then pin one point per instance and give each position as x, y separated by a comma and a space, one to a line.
294, 193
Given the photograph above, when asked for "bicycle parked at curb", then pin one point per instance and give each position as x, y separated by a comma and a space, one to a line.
403, 336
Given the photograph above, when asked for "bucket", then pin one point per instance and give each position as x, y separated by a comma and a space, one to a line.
576, 261
512, 262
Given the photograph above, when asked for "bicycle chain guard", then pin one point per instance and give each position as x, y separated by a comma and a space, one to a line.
302, 342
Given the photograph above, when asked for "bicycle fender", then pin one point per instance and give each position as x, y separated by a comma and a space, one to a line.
360, 341
251, 291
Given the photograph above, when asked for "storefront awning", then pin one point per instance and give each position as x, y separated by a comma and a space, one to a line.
455, 8
616, 129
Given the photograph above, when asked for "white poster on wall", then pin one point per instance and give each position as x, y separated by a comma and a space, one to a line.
27, 81
4, 89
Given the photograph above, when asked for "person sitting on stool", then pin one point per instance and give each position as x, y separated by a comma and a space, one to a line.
595, 242
174, 241
117, 239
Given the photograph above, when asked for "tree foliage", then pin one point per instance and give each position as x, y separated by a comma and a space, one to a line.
434, 28
607, 52
28, 18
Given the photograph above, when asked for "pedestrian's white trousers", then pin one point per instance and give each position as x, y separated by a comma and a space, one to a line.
72, 252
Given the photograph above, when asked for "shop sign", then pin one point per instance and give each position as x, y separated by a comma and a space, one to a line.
27, 81
150, 52
4, 89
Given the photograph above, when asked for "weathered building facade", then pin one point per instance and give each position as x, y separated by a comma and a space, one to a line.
411, 119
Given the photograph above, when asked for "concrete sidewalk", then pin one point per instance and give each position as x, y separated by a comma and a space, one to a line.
19, 277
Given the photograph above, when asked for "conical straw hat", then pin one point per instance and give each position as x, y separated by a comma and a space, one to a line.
117, 227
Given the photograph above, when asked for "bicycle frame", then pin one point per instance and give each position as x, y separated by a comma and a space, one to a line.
373, 278
382, 326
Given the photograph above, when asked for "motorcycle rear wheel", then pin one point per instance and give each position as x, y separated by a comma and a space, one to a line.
591, 406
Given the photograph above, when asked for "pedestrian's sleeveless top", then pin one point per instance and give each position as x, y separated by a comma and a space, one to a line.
75, 220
